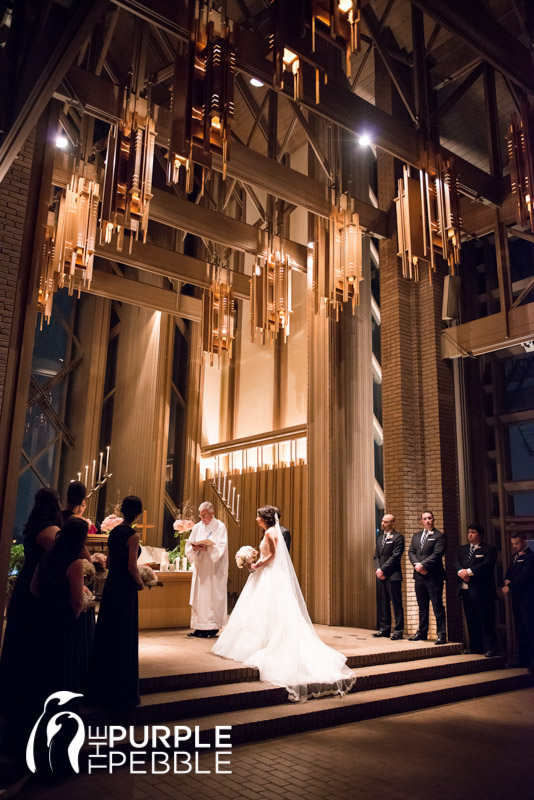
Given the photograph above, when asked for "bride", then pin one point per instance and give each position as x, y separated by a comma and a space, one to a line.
270, 627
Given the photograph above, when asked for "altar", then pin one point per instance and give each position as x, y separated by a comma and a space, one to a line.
166, 606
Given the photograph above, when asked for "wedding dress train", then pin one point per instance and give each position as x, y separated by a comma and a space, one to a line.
270, 629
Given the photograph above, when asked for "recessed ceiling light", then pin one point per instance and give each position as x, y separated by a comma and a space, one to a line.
61, 141
256, 82
364, 140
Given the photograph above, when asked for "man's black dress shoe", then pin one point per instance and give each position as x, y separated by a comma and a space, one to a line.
417, 637
395, 636
210, 634
195, 634
490, 653
385, 634
441, 640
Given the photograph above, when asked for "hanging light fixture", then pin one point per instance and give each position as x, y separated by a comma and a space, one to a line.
219, 311
128, 177
293, 39
428, 216
520, 153
70, 237
202, 104
270, 296
335, 259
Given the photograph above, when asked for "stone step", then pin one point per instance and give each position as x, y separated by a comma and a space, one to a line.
234, 673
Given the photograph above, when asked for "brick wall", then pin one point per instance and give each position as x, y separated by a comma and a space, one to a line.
13, 197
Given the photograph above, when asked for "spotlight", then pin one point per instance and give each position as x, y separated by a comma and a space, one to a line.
256, 82
61, 141
364, 140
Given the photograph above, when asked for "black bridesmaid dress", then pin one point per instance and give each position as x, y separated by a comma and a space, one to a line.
16, 663
114, 664
86, 623
61, 635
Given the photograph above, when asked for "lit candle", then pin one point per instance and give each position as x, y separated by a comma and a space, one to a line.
108, 448
229, 490
233, 500
86, 473
93, 475
79, 476
100, 467
224, 487
237, 509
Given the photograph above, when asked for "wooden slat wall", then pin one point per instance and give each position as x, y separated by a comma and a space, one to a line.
284, 487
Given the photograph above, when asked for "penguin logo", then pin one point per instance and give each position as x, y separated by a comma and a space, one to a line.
53, 727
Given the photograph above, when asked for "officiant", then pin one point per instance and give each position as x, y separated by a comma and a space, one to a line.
207, 550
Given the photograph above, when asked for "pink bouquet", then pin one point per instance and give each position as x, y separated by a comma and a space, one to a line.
110, 522
245, 555
183, 525
99, 562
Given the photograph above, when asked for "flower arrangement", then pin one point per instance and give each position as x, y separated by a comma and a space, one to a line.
100, 564
110, 522
149, 577
89, 572
245, 555
88, 601
182, 526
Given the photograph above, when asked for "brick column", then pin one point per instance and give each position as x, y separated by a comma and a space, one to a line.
420, 470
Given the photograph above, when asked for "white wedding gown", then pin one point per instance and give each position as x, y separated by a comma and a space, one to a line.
270, 629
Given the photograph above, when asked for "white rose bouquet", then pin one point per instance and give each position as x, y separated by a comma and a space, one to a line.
149, 577
245, 555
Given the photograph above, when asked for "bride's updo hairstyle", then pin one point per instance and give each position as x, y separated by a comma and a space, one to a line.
268, 515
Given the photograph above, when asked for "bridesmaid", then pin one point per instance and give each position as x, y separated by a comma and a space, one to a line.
39, 535
60, 589
114, 664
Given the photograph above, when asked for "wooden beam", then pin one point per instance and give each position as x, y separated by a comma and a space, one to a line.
473, 23
176, 212
104, 100
114, 287
42, 76
170, 264
489, 334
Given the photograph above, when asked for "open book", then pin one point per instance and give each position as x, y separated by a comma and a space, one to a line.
207, 542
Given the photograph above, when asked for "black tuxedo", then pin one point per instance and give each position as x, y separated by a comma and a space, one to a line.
478, 599
388, 556
287, 536
520, 573
429, 587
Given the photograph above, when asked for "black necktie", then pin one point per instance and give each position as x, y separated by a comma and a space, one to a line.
423, 539
384, 537
471, 551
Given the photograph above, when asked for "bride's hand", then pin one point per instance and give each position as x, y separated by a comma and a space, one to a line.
254, 567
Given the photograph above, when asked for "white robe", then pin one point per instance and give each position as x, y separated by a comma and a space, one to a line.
208, 598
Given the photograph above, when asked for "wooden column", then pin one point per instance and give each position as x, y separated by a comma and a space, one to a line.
140, 417
86, 388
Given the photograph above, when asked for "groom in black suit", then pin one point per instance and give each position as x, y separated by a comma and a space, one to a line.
426, 554
388, 553
475, 567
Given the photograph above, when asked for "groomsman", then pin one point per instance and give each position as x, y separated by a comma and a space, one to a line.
426, 554
475, 566
519, 583
388, 552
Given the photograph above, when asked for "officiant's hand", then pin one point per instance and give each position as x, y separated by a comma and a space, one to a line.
199, 547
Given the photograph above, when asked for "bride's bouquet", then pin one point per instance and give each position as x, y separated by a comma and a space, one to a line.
149, 577
88, 601
245, 555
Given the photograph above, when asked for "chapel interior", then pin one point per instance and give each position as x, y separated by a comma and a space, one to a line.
267, 252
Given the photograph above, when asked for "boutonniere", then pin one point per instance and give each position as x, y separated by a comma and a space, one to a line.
389, 536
